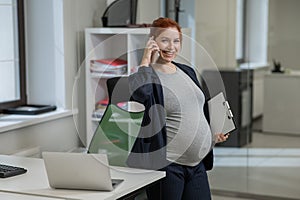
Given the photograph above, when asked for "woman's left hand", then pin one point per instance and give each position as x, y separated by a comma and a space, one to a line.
221, 137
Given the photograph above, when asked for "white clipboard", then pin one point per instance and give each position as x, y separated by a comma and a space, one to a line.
220, 115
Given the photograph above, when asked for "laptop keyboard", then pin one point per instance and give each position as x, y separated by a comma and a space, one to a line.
9, 170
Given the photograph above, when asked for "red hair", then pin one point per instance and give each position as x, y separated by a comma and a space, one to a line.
158, 26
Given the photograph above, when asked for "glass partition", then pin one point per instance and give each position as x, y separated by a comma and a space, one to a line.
266, 165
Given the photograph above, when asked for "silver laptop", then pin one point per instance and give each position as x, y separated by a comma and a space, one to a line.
67, 170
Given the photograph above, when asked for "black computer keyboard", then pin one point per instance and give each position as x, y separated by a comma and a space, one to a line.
9, 170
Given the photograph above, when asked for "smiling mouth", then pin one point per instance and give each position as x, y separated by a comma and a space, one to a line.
169, 53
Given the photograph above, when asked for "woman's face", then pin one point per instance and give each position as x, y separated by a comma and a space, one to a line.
169, 44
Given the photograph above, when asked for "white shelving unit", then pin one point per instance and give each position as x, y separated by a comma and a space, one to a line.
125, 43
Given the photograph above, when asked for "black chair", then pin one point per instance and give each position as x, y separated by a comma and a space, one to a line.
118, 90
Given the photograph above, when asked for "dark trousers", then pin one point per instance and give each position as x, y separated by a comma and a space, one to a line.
182, 183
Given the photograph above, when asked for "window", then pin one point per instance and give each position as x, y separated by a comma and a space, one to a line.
12, 57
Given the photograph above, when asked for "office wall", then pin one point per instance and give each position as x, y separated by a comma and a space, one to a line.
41, 51
78, 15
60, 134
284, 32
215, 30
148, 10
55, 135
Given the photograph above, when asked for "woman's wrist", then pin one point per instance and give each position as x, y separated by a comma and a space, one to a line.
145, 63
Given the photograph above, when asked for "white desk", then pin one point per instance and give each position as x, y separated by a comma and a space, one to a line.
35, 181
281, 103
17, 196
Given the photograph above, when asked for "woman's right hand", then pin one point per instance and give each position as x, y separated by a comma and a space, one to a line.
221, 137
149, 53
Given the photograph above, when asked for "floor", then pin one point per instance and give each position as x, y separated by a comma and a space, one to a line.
268, 168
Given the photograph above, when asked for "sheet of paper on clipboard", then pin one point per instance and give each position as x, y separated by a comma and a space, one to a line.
221, 117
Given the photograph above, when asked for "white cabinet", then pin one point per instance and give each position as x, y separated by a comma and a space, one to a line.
123, 43
281, 103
